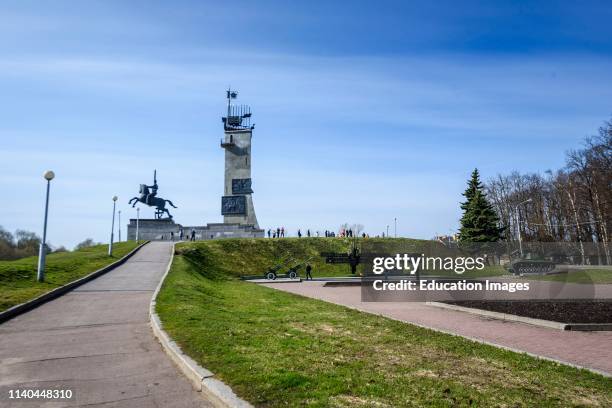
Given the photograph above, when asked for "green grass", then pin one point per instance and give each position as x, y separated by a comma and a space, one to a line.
278, 349
248, 257
252, 257
18, 278
592, 276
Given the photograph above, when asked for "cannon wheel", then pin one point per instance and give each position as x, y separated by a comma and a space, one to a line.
292, 274
271, 276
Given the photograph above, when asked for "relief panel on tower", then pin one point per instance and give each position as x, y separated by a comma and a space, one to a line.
241, 186
233, 205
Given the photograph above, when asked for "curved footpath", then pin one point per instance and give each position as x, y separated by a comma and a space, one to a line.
590, 350
97, 342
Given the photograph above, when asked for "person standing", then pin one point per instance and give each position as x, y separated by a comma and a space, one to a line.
193, 235
278, 232
308, 272
299, 234
268, 232
282, 232
308, 232
172, 236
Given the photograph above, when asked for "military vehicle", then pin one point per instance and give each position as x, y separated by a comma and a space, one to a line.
531, 267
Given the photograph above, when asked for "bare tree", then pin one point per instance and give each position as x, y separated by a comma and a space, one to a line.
572, 204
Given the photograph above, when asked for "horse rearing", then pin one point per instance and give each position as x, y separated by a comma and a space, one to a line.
151, 199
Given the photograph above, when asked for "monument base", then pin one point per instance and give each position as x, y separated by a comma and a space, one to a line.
224, 230
159, 230
153, 229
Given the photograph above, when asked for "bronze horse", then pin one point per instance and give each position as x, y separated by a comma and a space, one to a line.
149, 197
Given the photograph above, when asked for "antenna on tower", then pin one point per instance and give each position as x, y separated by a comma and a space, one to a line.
238, 116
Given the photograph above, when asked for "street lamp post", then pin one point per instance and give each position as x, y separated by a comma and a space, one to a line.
137, 223
395, 227
110, 245
42, 252
518, 227
119, 225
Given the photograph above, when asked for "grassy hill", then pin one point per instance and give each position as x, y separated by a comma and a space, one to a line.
250, 257
278, 349
18, 278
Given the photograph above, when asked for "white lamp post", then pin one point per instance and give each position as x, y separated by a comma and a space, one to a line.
110, 245
518, 227
137, 223
119, 225
395, 227
40, 276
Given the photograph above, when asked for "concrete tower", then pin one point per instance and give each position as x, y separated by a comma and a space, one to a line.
237, 201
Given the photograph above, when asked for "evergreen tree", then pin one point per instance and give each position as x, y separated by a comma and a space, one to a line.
479, 222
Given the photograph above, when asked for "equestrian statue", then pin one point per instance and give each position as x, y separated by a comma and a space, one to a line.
149, 197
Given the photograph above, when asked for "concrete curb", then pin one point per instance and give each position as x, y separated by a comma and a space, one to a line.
202, 379
277, 280
589, 326
57, 292
527, 320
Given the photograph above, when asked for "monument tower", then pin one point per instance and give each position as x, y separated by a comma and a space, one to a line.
239, 220
237, 201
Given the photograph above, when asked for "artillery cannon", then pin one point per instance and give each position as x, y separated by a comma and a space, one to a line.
291, 273
272, 272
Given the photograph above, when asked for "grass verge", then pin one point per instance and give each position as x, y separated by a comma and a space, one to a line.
278, 349
18, 278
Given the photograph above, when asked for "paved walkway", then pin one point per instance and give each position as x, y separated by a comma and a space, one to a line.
586, 349
97, 342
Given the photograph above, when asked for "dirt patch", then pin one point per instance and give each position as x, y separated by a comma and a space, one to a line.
557, 311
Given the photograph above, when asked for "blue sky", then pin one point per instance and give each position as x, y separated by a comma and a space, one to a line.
364, 111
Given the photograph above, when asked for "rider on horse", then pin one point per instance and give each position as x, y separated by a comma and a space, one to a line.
146, 196
152, 194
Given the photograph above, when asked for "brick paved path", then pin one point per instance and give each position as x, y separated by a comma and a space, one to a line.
586, 349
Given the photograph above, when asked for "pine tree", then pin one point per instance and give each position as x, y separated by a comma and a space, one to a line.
479, 222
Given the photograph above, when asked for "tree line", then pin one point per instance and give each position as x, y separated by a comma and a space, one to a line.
572, 204
24, 243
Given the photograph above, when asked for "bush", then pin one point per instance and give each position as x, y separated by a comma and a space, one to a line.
86, 244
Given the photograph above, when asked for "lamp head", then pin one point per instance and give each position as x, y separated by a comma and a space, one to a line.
114, 198
49, 175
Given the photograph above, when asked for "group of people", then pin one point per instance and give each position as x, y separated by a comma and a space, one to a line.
276, 233
299, 233
181, 235
344, 233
